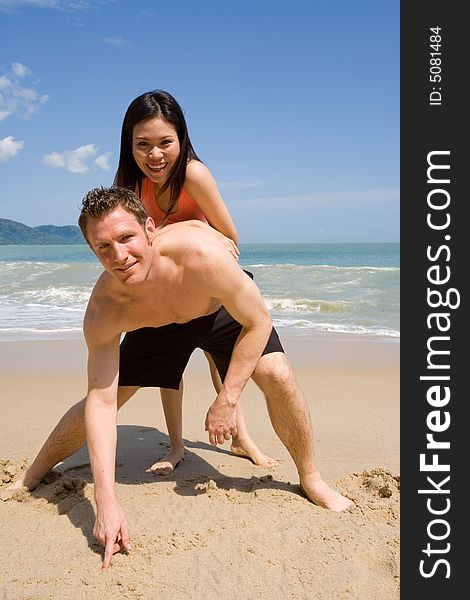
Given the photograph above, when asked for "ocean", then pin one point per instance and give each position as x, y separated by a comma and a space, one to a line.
309, 288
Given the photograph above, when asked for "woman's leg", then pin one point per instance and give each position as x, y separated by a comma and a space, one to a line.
242, 443
172, 401
216, 381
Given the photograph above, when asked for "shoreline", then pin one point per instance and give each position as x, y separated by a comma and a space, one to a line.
67, 356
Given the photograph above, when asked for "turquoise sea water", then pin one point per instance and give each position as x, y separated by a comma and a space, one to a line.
334, 288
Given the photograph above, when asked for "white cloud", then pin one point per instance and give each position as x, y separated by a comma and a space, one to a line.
20, 70
54, 159
115, 41
64, 5
35, 3
9, 147
17, 99
102, 161
78, 160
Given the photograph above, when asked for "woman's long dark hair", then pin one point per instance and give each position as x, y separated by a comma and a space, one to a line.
152, 105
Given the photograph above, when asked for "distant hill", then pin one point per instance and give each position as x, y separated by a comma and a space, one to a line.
12, 232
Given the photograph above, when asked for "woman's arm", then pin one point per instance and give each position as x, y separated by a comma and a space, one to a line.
202, 188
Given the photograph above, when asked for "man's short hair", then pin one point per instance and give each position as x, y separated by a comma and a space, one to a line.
101, 201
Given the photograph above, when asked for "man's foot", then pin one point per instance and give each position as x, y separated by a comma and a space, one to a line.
24, 482
249, 449
169, 463
11, 490
320, 493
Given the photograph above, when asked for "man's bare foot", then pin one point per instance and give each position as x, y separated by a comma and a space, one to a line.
249, 449
24, 482
11, 490
320, 493
169, 463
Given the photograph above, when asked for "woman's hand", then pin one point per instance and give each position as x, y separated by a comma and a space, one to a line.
231, 246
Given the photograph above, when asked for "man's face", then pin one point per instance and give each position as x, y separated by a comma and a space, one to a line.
122, 245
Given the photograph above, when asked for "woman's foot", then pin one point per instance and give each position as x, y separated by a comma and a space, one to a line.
249, 449
168, 464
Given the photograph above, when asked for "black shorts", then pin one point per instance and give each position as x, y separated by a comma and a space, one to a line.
157, 357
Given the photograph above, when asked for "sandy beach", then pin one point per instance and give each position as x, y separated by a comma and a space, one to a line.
219, 526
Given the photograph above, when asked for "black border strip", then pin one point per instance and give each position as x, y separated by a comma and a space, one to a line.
432, 530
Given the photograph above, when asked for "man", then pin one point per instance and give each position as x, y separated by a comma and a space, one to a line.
173, 289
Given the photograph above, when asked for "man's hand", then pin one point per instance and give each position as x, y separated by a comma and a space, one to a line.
111, 530
221, 422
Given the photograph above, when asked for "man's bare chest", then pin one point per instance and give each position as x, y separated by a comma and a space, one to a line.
178, 304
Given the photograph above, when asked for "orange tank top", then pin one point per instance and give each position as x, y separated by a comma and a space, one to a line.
186, 207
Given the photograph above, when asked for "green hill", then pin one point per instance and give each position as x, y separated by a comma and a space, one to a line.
13, 232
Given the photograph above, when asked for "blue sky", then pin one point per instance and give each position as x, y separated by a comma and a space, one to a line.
294, 107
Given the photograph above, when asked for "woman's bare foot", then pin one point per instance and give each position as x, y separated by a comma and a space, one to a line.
249, 449
169, 463
320, 493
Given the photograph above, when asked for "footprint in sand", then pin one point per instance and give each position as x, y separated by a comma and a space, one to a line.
381, 482
9, 472
374, 486
57, 489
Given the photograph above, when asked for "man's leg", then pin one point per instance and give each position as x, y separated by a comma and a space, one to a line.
67, 437
290, 417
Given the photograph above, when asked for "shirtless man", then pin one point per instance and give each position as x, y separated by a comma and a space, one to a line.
173, 289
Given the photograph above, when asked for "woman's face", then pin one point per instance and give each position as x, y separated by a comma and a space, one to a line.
155, 147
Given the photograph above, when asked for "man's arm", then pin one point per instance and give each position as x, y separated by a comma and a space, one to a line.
242, 299
229, 243
100, 422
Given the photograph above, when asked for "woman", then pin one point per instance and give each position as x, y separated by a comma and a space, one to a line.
157, 160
